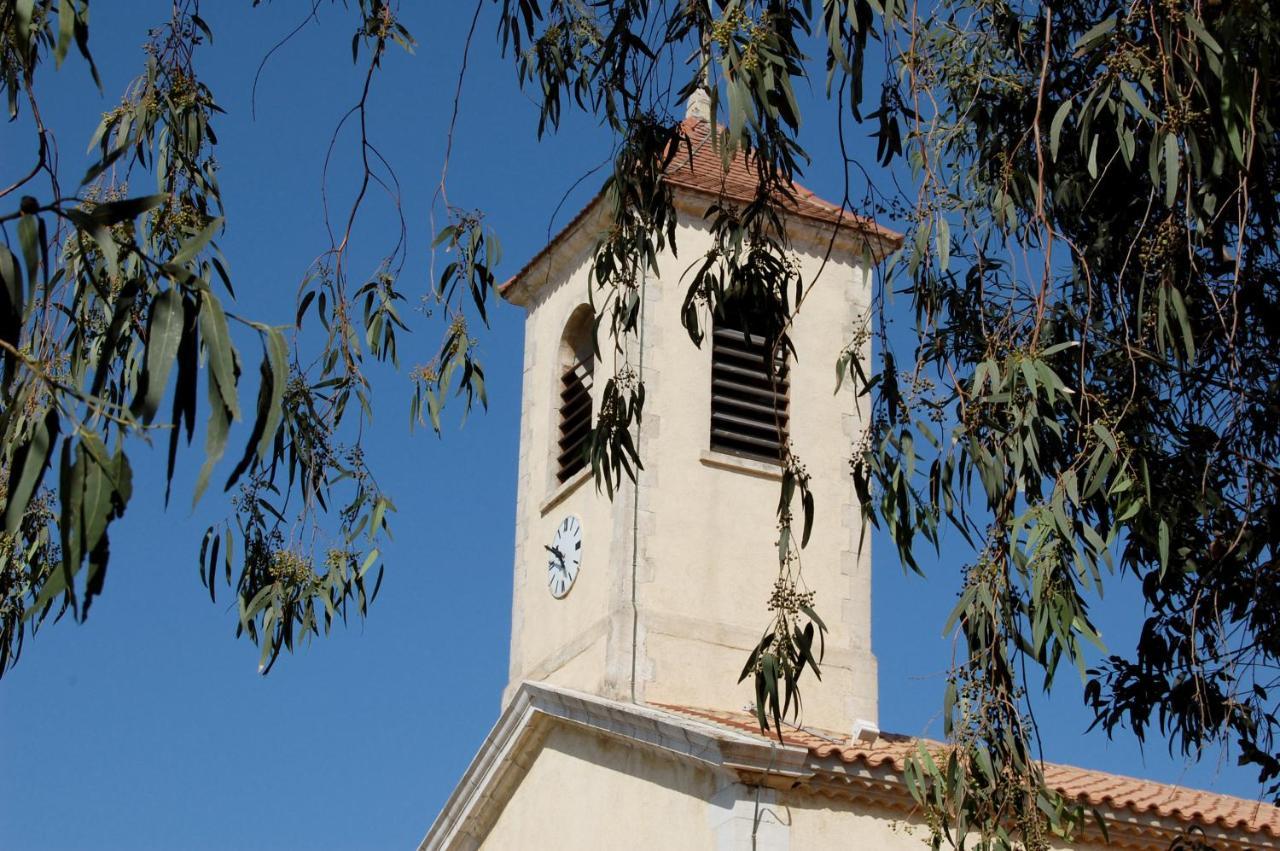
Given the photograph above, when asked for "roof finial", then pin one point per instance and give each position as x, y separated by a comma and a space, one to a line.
698, 107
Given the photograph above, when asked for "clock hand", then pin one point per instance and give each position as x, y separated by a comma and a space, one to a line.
555, 551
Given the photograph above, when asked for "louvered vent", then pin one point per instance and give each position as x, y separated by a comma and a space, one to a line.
575, 418
748, 400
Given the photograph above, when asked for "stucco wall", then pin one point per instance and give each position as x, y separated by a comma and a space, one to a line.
584, 791
709, 557
558, 640
703, 560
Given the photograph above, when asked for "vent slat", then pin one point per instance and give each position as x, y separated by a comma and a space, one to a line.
574, 406
732, 388
750, 407
570, 431
749, 360
572, 453
731, 335
766, 429
573, 391
771, 446
758, 374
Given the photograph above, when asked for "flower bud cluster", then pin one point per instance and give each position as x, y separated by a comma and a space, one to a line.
786, 598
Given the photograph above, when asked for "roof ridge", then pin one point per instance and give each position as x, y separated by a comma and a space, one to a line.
704, 173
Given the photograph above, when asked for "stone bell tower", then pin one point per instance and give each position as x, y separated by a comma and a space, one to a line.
658, 595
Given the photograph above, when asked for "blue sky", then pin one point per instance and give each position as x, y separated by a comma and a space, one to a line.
148, 726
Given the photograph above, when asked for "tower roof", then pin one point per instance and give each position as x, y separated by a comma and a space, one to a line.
698, 169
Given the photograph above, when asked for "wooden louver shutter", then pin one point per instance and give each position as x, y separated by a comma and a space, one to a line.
748, 400
575, 419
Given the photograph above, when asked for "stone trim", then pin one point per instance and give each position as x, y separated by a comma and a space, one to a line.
738, 464
563, 491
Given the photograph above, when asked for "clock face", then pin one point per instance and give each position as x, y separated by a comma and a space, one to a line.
564, 556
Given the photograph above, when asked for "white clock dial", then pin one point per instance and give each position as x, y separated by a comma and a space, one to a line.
564, 556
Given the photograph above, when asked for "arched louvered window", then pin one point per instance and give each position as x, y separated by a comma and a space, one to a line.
749, 392
574, 386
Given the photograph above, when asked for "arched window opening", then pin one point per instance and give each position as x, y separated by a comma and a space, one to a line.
576, 367
749, 390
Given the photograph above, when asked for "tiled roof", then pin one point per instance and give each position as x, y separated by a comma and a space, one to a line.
1092, 788
698, 167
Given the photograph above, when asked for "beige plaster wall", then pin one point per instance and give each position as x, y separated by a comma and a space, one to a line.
709, 529
700, 568
584, 791
558, 640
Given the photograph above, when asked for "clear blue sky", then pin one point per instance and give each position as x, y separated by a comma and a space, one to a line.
148, 726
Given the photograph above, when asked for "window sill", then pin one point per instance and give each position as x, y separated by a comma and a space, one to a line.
561, 493
738, 464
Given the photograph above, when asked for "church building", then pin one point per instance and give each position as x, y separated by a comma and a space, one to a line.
623, 725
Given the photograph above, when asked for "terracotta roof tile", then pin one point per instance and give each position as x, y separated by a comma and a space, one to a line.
698, 167
1093, 788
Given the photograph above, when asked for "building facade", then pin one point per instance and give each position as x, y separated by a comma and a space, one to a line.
623, 723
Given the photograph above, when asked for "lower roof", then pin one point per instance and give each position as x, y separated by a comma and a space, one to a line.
1085, 786
1138, 813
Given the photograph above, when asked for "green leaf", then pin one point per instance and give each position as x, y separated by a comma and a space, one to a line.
942, 241
98, 559
274, 378
31, 239
24, 9
1163, 544
101, 234
164, 333
1184, 324
1105, 436
192, 246
1197, 27
1055, 127
110, 213
1172, 162
70, 499
215, 442
222, 357
1129, 94
1094, 34
96, 507
26, 471
66, 31
184, 390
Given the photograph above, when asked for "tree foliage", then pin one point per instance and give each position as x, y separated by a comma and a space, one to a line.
1088, 387
116, 298
1091, 382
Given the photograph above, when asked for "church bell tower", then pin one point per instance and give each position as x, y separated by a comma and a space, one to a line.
658, 595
